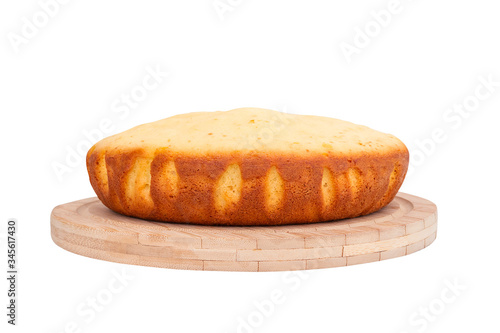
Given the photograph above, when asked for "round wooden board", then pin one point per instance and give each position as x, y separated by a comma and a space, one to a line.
88, 228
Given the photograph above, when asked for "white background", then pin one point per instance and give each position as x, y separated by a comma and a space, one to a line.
68, 75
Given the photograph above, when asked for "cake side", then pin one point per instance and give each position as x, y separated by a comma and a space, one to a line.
244, 189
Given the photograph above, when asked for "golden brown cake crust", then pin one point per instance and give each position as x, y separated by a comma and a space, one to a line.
245, 187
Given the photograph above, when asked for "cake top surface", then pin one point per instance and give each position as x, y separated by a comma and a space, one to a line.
253, 130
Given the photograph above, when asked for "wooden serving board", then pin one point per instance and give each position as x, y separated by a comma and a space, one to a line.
88, 228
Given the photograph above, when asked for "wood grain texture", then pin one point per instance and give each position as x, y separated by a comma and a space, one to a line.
88, 228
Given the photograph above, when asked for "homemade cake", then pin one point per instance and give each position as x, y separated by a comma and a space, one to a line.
247, 166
